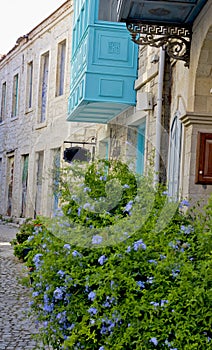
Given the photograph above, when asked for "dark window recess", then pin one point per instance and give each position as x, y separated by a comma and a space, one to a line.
76, 153
204, 159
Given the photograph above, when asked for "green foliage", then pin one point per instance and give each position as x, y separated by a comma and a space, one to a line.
148, 289
22, 244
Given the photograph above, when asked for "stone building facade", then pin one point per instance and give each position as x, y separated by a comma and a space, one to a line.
34, 89
149, 109
182, 98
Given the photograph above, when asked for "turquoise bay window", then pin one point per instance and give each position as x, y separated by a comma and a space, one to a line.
103, 64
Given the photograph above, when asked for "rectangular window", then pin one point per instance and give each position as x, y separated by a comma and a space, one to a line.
60, 77
3, 101
10, 174
24, 180
39, 182
1, 187
29, 85
56, 177
204, 159
44, 75
15, 96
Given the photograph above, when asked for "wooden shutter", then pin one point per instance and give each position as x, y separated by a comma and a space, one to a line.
204, 159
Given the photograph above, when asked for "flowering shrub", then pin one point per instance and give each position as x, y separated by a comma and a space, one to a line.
22, 243
148, 290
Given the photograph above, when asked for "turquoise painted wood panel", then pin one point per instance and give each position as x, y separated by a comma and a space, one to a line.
140, 149
103, 66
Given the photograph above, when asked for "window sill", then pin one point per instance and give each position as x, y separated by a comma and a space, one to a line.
28, 111
41, 125
13, 118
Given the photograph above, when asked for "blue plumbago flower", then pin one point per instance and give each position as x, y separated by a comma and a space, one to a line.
97, 239
86, 189
109, 301
92, 311
154, 341
79, 211
172, 245
103, 330
92, 296
102, 259
152, 261
128, 206
163, 302
112, 284
187, 229
150, 280
35, 294
139, 244
126, 186
45, 324
92, 321
175, 272
76, 253
58, 293
155, 304
102, 348
61, 273
45, 298
71, 326
166, 193
103, 178
37, 260
39, 285
31, 303
62, 319
128, 250
48, 307
184, 203
162, 256
141, 284
67, 246
86, 205
30, 238
37, 229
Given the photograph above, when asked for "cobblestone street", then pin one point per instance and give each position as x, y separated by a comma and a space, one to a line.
16, 327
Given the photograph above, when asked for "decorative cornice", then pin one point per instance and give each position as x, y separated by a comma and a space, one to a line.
196, 118
175, 40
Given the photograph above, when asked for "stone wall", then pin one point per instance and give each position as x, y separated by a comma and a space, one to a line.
24, 134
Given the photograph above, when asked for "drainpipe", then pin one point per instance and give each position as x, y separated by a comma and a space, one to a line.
159, 113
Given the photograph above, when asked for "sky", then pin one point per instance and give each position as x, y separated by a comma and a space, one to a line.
18, 17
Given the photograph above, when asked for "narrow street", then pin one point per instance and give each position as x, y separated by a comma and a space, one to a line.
16, 327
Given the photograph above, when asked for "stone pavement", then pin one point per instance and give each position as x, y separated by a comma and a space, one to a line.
16, 327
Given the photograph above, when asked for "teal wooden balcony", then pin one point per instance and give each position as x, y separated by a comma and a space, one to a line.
103, 64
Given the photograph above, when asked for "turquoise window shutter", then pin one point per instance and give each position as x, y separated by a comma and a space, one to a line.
140, 149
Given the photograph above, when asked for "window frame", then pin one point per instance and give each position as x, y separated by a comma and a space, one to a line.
43, 86
29, 86
174, 157
61, 66
3, 101
15, 96
203, 154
